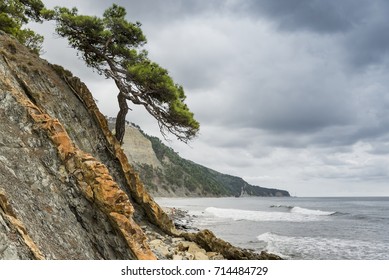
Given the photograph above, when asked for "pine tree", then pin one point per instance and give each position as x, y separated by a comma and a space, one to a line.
113, 46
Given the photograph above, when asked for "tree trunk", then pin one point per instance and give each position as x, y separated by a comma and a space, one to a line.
120, 126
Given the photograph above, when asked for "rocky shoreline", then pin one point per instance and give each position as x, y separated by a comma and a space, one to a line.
194, 244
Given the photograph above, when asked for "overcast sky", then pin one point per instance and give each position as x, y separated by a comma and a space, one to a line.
290, 94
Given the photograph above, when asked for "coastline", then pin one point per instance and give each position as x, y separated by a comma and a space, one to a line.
295, 229
194, 244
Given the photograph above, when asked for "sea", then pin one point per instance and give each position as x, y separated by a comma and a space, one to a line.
296, 228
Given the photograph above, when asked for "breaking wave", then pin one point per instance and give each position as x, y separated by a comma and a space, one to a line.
306, 211
295, 214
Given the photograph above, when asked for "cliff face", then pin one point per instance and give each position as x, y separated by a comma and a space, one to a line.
67, 190
139, 149
65, 184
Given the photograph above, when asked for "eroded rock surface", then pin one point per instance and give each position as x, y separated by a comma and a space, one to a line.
138, 148
54, 170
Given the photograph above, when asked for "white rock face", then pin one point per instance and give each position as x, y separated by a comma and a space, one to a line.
138, 148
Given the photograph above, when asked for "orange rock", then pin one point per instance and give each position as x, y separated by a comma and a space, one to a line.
94, 181
133, 237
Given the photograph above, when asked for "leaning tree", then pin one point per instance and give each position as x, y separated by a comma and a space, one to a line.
113, 46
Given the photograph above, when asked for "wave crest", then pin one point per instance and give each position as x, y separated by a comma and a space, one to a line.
296, 214
306, 211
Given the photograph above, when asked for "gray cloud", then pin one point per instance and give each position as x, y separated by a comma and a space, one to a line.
311, 15
362, 23
150, 12
368, 45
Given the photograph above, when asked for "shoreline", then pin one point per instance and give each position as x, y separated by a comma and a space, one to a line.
195, 244
181, 218
167, 247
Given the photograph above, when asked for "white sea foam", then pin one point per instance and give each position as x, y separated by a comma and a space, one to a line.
238, 214
305, 211
321, 248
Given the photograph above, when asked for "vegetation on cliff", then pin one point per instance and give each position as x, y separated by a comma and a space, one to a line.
113, 46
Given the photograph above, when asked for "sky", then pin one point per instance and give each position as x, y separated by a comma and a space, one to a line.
290, 94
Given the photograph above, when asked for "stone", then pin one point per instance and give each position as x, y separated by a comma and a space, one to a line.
214, 256
183, 246
194, 248
177, 258
200, 256
176, 240
163, 250
155, 243
207, 240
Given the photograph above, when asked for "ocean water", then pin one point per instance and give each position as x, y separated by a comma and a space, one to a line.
336, 228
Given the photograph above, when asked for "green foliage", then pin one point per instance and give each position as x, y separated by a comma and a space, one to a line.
100, 40
31, 40
16, 13
179, 172
113, 46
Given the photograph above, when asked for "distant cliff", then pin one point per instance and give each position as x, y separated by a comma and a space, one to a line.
67, 190
165, 173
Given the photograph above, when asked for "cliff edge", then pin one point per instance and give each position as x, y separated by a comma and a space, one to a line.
67, 190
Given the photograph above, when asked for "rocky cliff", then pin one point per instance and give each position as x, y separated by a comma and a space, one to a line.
138, 148
67, 190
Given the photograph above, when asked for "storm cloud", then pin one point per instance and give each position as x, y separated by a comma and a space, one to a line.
289, 93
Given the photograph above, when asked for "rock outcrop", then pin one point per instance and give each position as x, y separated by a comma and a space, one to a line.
67, 190
139, 149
